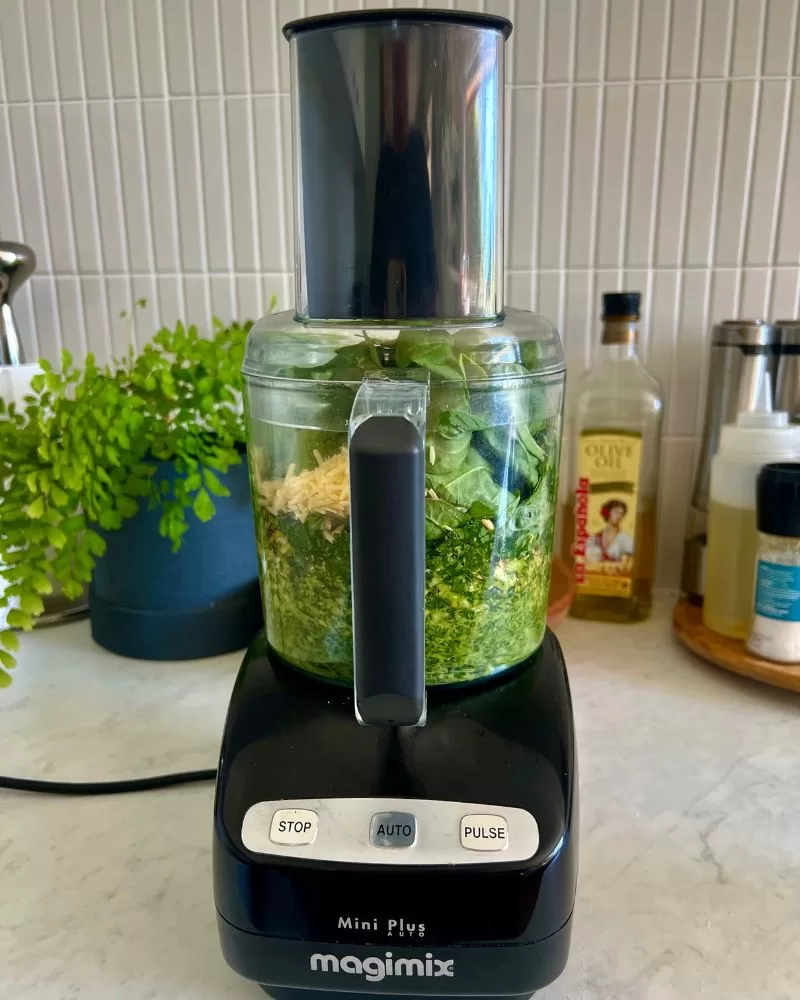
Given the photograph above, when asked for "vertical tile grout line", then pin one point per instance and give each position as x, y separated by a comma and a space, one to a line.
594, 222
658, 167
678, 290
124, 246
722, 127
168, 102
533, 282
3, 83
783, 150
283, 191
226, 164
626, 174
199, 172
744, 223
709, 282
12, 166
12, 169
143, 166
98, 236
565, 199
794, 48
508, 166
67, 187
253, 161
39, 179
688, 181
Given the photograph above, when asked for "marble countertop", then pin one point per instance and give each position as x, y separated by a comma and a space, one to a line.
690, 826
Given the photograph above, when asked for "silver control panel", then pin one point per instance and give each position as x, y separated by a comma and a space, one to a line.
390, 831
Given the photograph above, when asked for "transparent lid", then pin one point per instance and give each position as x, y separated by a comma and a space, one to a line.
518, 344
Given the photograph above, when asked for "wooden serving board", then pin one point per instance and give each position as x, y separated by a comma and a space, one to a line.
687, 623
561, 588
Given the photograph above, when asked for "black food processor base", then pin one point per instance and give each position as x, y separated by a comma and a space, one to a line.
431, 861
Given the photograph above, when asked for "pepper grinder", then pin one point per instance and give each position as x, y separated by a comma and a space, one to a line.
17, 264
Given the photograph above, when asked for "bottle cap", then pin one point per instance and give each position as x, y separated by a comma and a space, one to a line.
778, 499
762, 431
621, 305
763, 415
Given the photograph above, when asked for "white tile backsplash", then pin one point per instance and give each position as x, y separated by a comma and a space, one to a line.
122, 58
684, 39
529, 21
768, 164
216, 186
106, 174
233, 39
205, 47
525, 178
583, 171
591, 39
737, 158
554, 173
178, 46
38, 46
652, 143
559, 41
717, 37
613, 182
748, 37
673, 186
781, 36
80, 183
14, 64
654, 26
706, 164
26, 172
93, 47
149, 42
158, 158
188, 169
622, 29
66, 41
788, 247
649, 104
134, 177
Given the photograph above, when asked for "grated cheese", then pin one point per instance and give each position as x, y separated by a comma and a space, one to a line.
323, 490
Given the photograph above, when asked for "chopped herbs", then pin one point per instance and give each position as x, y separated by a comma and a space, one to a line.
491, 475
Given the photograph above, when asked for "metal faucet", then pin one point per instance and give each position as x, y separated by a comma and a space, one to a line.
17, 264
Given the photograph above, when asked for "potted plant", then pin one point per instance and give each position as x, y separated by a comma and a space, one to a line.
106, 470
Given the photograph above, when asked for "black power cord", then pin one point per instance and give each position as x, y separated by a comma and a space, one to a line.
105, 787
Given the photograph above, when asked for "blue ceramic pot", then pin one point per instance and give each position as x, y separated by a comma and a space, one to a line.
151, 603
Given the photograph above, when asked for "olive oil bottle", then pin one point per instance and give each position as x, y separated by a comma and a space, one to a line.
608, 524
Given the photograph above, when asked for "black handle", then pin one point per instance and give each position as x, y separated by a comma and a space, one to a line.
387, 535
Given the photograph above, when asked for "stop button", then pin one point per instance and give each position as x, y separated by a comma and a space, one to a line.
293, 826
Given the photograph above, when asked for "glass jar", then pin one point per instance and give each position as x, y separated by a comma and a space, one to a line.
493, 397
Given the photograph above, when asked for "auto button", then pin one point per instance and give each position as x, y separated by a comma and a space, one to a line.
393, 829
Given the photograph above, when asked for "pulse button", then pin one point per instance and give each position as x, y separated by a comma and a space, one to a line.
482, 832
393, 829
293, 826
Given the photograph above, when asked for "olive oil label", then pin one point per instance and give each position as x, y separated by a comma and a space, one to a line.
606, 501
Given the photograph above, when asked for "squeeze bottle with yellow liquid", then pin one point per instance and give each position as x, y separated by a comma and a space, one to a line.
756, 439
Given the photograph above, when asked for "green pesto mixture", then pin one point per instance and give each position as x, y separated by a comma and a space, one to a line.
490, 507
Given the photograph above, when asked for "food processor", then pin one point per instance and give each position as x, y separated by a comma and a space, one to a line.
396, 804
